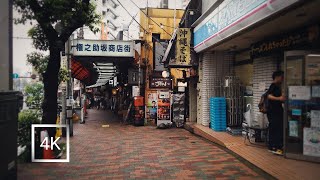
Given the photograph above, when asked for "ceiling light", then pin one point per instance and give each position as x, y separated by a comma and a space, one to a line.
105, 64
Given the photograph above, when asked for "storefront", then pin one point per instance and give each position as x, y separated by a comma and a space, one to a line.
258, 44
302, 109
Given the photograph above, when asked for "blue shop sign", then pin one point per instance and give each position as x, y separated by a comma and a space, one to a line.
224, 16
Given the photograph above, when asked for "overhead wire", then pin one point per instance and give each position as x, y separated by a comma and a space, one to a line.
139, 23
150, 18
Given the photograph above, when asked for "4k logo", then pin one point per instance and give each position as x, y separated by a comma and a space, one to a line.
49, 143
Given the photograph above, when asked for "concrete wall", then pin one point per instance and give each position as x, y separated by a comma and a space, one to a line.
5, 46
206, 4
164, 16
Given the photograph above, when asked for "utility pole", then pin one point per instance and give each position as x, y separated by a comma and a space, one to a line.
69, 104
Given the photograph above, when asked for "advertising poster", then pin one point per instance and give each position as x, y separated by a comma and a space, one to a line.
311, 141
178, 109
299, 92
315, 91
313, 68
151, 113
315, 118
164, 113
164, 107
293, 128
152, 99
135, 91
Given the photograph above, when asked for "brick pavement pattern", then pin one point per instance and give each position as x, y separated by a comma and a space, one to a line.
127, 152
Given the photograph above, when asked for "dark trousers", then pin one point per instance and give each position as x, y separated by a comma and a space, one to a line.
275, 129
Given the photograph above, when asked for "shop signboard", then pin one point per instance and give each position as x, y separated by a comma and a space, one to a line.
135, 91
160, 49
233, 16
157, 82
133, 77
83, 47
183, 47
306, 36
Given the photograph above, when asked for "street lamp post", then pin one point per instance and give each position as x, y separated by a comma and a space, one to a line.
69, 102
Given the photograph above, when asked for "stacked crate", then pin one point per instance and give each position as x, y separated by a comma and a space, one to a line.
218, 117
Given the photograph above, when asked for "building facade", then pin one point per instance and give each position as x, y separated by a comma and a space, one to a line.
244, 42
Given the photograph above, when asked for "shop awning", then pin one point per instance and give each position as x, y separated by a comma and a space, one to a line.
79, 72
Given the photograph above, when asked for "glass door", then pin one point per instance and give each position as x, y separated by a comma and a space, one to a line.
302, 108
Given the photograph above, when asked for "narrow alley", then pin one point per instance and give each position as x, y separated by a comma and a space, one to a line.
128, 152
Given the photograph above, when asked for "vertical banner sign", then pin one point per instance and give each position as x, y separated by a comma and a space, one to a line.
183, 46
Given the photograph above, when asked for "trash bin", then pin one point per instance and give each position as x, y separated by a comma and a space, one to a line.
10, 104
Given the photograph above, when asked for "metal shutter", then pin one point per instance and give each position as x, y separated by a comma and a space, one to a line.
262, 73
215, 66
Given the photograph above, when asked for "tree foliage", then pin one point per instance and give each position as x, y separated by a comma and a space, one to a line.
40, 62
34, 94
57, 19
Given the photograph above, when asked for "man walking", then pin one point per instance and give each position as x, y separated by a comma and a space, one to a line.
275, 113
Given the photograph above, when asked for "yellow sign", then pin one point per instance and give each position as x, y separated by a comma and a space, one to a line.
183, 46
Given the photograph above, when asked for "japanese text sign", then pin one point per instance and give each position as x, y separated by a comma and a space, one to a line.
183, 46
102, 48
160, 82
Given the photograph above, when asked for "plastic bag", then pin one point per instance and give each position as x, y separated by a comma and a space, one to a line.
248, 115
262, 120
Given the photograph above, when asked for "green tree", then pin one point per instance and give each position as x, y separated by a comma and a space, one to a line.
40, 62
34, 95
66, 16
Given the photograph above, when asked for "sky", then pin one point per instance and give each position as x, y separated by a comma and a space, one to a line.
22, 44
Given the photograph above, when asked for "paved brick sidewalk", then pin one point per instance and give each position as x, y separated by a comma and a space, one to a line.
128, 152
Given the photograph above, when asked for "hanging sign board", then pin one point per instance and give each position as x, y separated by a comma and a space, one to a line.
156, 82
135, 91
183, 47
84, 47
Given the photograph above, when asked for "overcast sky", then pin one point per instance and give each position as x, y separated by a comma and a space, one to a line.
22, 44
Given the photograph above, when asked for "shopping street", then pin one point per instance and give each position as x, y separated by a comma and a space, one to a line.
128, 152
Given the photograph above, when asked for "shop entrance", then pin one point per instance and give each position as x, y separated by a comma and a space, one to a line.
302, 108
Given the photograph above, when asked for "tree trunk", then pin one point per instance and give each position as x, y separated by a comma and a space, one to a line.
50, 81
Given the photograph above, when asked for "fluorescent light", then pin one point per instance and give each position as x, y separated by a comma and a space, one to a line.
105, 64
105, 67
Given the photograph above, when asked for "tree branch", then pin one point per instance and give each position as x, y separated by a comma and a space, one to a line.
76, 22
43, 21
